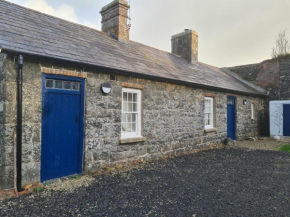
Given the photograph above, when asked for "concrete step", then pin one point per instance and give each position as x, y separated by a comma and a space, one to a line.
285, 139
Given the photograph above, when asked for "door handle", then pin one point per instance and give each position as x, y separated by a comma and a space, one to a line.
77, 119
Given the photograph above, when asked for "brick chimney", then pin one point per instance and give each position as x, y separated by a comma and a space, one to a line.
185, 44
115, 18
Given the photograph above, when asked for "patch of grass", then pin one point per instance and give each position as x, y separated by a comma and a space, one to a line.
74, 177
284, 148
38, 190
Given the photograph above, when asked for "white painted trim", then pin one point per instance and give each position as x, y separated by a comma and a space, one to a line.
252, 111
211, 116
139, 127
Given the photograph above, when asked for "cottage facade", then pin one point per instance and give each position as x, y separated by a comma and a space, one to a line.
94, 99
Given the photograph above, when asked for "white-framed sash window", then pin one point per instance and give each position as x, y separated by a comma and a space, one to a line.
252, 111
208, 112
131, 113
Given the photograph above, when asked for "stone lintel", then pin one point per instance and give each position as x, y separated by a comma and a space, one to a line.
210, 95
64, 72
135, 86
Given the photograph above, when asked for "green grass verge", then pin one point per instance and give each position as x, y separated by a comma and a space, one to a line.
285, 148
38, 190
74, 177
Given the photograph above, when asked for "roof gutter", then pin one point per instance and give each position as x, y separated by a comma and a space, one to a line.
128, 73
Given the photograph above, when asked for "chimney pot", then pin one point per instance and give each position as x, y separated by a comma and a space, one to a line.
185, 44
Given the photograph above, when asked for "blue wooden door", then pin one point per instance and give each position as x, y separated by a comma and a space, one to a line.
62, 127
231, 118
286, 120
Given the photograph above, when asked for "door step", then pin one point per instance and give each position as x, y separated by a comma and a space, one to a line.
285, 139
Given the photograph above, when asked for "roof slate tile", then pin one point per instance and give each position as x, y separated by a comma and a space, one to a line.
28, 31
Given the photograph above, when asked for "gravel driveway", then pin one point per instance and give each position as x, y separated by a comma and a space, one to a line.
221, 182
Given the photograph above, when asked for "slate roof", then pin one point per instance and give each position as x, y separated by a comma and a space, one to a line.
30, 32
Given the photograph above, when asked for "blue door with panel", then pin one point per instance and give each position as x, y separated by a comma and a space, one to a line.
231, 118
62, 126
286, 120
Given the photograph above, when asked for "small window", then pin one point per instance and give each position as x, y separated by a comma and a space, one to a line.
208, 112
131, 113
49, 83
231, 101
62, 85
76, 86
67, 85
58, 84
252, 111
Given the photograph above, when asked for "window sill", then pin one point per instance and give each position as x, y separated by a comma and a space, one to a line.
210, 130
132, 140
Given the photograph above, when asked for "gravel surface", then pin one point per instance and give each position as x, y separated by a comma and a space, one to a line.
221, 182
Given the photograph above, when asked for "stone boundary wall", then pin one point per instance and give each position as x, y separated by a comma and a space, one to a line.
272, 75
284, 87
2, 117
173, 120
247, 72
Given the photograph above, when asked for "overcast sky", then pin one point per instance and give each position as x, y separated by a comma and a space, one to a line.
231, 32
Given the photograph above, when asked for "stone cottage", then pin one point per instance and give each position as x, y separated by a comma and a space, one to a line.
93, 99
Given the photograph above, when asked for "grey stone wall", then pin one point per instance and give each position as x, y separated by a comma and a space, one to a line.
173, 120
272, 75
31, 122
284, 87
2, 120
247, 72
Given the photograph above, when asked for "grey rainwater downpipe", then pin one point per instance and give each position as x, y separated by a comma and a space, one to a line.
19, 123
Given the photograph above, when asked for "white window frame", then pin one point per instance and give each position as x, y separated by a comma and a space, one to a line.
126, 135
252, 111
211, 126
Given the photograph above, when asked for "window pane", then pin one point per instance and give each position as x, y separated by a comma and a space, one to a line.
76, 86
129, 118
134, 107
130, 107
134, 118
123, 118
134, 127
252, 111
130, 97
58, 84
125, 107
134, 97
129, 127
49, 83
124, 97
207, 119
124, 127
207, 106
231, 101
67, 85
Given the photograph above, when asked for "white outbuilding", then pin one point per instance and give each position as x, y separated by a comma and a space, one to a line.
280, 119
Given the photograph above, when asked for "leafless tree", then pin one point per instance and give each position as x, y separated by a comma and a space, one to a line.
282, 46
